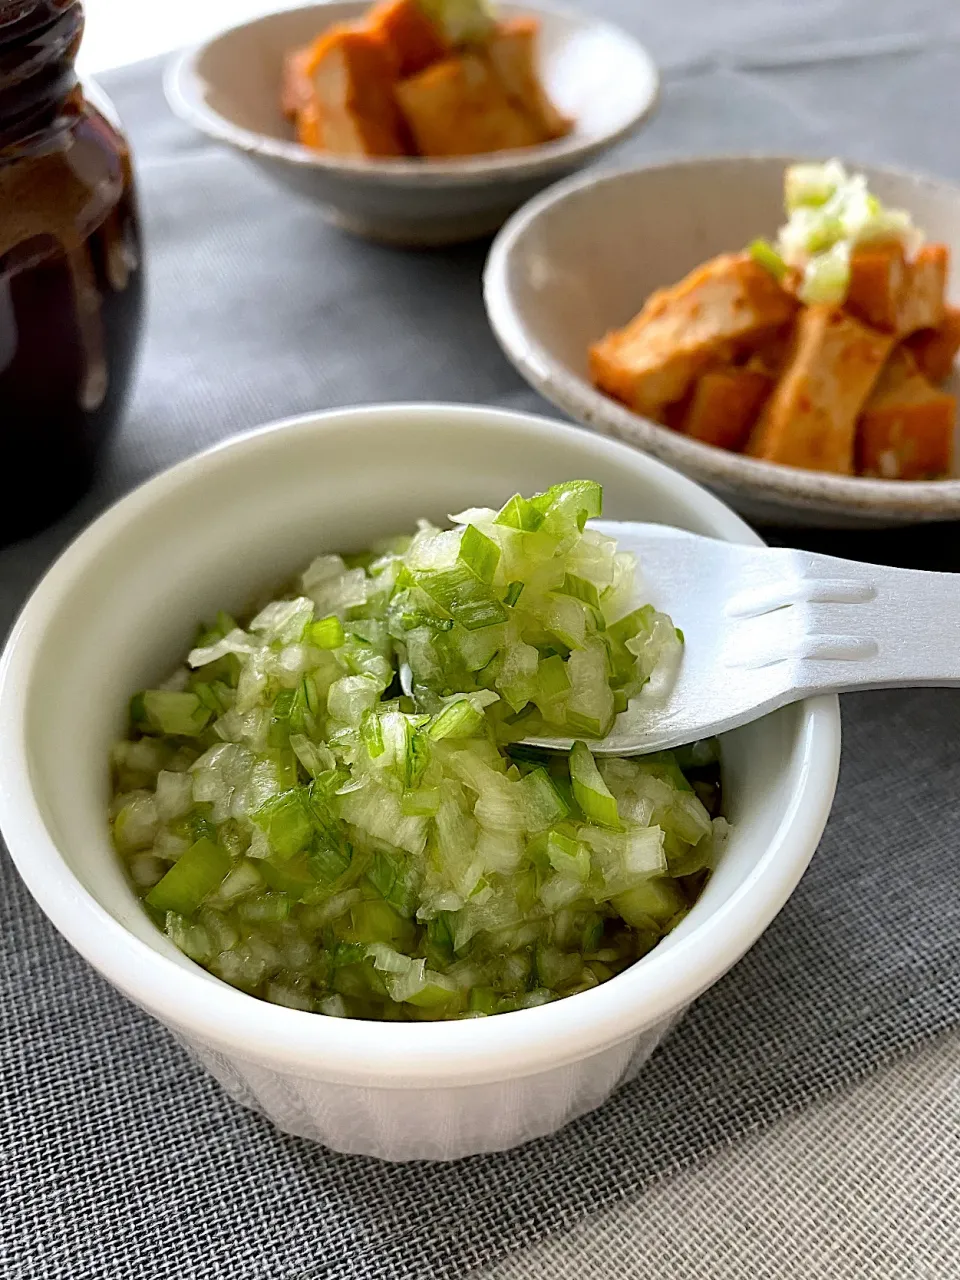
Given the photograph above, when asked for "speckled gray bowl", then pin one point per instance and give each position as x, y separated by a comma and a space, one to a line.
582, 258
229, 89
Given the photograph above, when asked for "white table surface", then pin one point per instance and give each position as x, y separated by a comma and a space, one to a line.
807, 1197
123, 31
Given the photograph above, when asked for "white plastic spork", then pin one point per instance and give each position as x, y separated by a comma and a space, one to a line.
767, 626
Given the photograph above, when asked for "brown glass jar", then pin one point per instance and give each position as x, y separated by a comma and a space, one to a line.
71, 287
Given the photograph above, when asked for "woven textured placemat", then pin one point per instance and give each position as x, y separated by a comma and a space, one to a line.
118, 1157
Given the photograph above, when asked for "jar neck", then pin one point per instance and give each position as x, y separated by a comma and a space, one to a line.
39, 94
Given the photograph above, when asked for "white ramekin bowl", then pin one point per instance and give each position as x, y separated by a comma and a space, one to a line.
119, 608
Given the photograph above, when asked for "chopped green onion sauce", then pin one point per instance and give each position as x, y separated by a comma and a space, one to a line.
329, 805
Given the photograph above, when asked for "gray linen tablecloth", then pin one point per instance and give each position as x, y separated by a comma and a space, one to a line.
119, 1158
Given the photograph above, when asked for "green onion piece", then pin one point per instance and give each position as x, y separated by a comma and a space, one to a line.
283, 706
590, 790
665, 764
179, 714
416, 757
438, 991
422, 803
196, 874
463, 596
552, 678
584, 497
514, 591
824, 233
396, 880
268, 908
327, 863
580, 589
326, 633
195, 825
293, 878
766, 256
462, 21
459, 719
439, 931
348, 953
409, 621
482, 1000
811, 184
314, 758
592, 934
371, 734
543, 805
321, 806
518, 513
567, 856
827, 276
374, 921
632, 624
138, 712
311, 695
580, 722
285, 822
479, 553
659, 898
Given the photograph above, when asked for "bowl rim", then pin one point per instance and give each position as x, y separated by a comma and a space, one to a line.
896, 500
352, 1051
182, 91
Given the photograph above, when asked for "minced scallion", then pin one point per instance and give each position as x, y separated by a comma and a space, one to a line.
829, 213
331, 807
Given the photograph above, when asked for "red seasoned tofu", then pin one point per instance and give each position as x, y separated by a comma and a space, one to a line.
512, 50
458, 107
906, 430
724, 406
296, 86
353, 79
922, 300
878, 275
725, 308
412, 39
810, 419
935, 349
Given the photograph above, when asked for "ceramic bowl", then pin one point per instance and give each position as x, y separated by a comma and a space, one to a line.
582, 258
229, 86
119, 608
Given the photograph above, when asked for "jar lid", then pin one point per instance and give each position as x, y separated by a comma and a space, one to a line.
21, 17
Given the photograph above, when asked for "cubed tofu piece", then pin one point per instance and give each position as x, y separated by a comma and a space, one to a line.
810, 419
906, 430
935, 349
770, 356
878, 274
725, 308
413, 41
922, 300
353, 84
725, 405
512, 50
458, 107
296, 85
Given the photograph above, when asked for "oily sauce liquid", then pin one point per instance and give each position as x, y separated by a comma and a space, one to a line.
70, 276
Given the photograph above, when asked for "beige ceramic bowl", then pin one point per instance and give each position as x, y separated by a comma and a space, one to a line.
228, 88
583, 257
